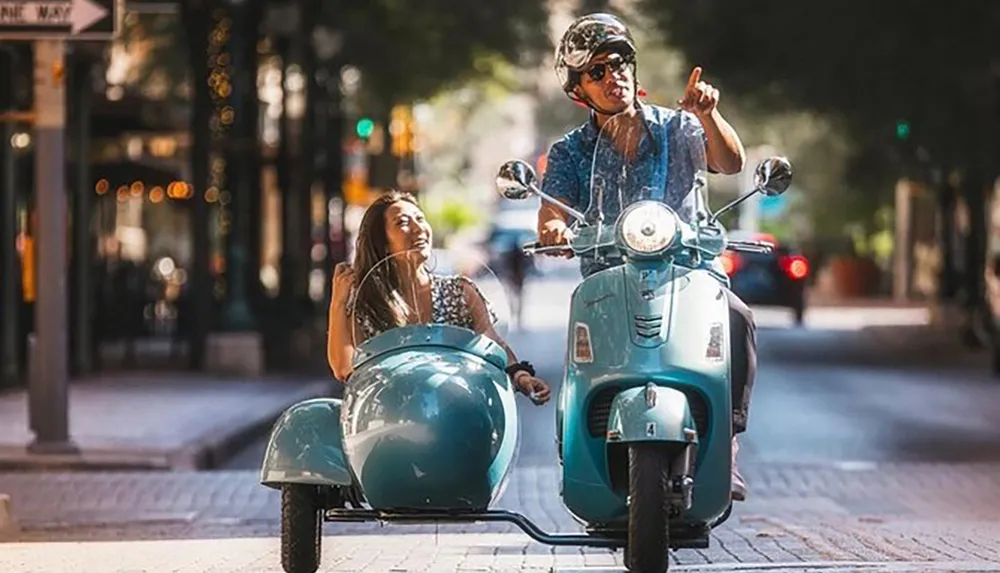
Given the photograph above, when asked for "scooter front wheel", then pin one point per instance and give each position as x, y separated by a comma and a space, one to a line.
648, 514
301, 528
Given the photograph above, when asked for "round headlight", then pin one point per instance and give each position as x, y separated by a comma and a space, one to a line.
648, 227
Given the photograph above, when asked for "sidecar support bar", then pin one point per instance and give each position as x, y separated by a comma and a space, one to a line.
517, 519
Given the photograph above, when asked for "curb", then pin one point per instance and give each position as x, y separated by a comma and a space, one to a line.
8, 524
215, 451
110, 462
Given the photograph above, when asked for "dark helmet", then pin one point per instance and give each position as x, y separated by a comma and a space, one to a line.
583, 40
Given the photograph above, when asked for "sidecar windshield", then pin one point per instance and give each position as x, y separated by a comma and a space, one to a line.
646, 154
424, 287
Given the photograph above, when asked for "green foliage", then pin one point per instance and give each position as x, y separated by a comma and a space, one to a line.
865, 64
411, 50
407, 50
450, 215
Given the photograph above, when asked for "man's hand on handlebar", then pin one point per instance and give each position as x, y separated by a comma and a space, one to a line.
555, 233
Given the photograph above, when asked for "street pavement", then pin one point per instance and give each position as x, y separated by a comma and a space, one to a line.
870, 449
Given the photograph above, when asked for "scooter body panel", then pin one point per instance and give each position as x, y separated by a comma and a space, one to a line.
632, 325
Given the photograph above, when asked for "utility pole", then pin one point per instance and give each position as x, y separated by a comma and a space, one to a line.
49, 24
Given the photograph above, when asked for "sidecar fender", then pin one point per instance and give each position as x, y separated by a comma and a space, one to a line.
306, 446
651, 414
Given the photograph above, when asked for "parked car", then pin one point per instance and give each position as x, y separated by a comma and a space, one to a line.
777, 278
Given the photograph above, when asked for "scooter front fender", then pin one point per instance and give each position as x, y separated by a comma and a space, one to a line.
651, 414
306, 446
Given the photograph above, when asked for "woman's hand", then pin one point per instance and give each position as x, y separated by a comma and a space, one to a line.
343, 281
534, 388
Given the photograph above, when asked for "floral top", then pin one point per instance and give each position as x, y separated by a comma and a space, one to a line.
448, 305
663, 170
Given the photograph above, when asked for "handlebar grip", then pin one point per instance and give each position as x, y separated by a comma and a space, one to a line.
538, 248
751, 246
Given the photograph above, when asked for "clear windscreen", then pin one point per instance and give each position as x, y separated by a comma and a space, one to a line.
634, 161
410, 289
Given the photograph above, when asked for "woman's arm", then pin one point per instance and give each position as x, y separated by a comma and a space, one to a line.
340, 346
482, 320
340, 342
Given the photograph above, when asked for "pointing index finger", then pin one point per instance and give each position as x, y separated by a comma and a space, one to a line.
695, 77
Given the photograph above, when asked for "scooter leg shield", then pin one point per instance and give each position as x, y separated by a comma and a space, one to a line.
651, 414
306, 446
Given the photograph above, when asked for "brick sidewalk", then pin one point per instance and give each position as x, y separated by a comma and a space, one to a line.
154, 421
895, 513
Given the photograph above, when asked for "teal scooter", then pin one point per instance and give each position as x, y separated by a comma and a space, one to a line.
427, 431
644, 428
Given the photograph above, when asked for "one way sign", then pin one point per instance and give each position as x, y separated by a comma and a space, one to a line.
60, 19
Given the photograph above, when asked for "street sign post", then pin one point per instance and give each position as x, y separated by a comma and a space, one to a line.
48, 386
60, 19
49, 24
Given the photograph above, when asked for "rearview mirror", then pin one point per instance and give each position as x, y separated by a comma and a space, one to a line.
516, 179
773, 176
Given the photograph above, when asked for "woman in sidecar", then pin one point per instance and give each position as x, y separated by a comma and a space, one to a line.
428, 423
390, 286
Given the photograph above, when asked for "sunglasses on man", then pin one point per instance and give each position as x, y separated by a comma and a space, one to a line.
615, 63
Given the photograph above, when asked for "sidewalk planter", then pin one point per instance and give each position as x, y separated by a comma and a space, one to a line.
854, 276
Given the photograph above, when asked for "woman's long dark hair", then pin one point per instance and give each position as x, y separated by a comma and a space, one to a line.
377, 298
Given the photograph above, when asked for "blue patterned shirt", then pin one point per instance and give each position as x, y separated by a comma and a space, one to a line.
663, 169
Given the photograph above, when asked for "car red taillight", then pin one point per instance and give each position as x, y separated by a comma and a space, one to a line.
795, 266
730, 262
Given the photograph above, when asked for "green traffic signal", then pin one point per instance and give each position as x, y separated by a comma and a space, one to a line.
365, 127
902, 129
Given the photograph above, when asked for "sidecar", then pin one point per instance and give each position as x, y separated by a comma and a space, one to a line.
427, 426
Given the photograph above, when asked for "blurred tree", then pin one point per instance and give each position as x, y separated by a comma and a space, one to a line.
449, 216
160, 71
410, 50
407, 50
915, 83
900, 74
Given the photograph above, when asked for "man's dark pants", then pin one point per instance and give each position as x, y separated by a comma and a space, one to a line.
743, 342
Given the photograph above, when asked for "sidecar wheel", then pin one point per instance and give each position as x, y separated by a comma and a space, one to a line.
301, 528
648, 520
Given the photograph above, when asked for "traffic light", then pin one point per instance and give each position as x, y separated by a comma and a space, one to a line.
365, 127
902, 129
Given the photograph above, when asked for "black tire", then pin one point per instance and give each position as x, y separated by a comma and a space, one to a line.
648, 519
301, 528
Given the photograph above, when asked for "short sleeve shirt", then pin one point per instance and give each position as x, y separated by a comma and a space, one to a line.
448, 305
664, 168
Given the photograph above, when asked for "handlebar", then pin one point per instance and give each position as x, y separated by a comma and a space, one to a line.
761, 247
536, 248
751, 246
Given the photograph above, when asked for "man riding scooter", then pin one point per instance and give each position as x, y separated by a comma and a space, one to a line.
596, 64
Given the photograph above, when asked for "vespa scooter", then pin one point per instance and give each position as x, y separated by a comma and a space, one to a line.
644, 427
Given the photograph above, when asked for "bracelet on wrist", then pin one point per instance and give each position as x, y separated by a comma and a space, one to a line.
522, 366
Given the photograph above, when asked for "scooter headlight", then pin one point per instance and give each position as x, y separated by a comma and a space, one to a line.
648, 227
